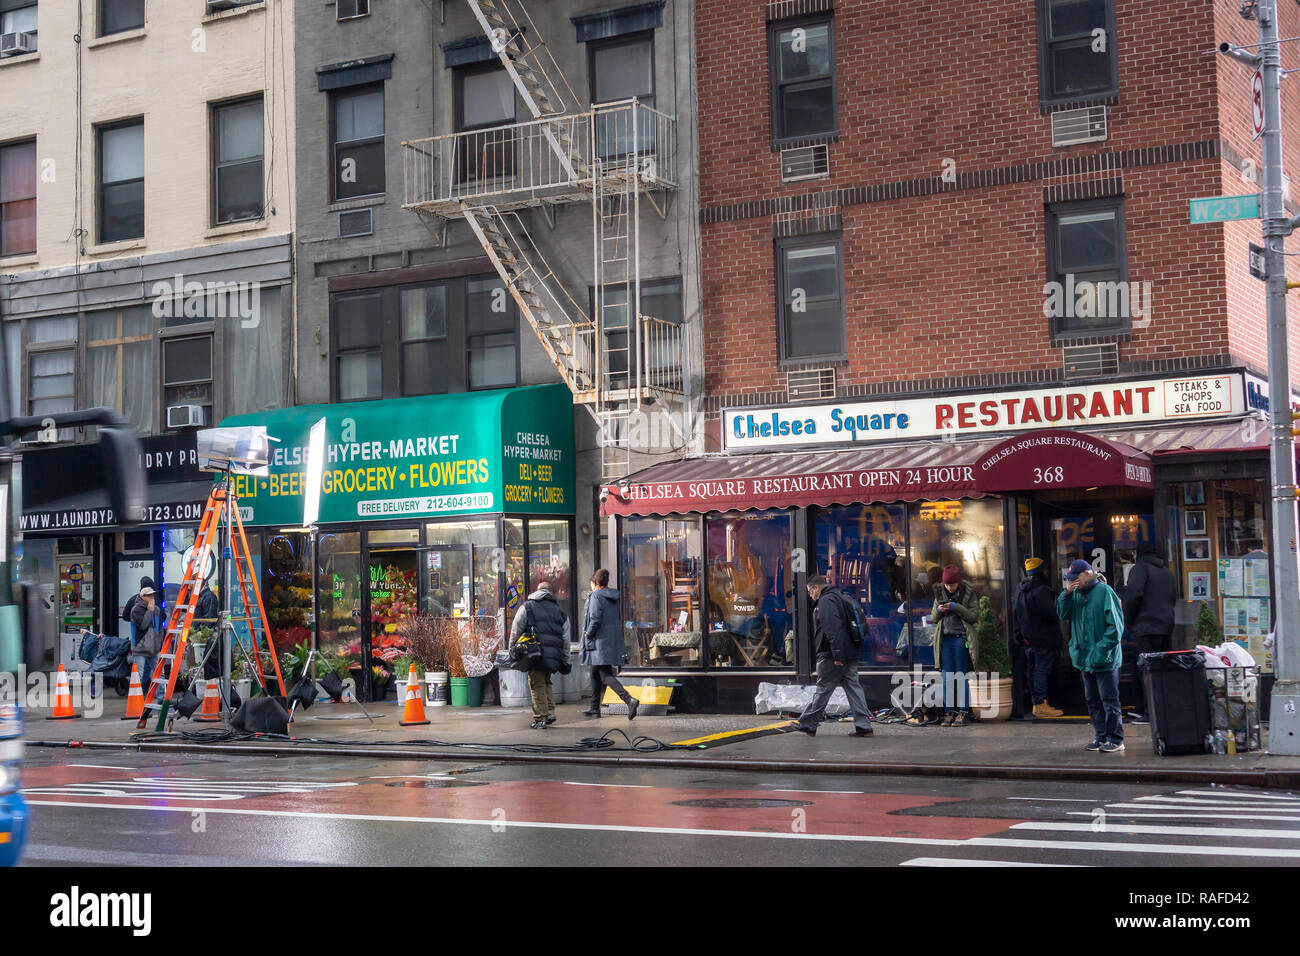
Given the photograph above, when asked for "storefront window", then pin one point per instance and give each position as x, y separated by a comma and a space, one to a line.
861, 550
287, 593
968, 534
516, 585
338, 564
660, 577
748, 575
393, 585
548, 558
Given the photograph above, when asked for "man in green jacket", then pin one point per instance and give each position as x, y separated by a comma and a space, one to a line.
1096, 619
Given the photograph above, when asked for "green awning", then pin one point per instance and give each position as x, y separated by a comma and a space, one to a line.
509, 450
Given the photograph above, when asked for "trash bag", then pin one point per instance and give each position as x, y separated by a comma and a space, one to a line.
793, 698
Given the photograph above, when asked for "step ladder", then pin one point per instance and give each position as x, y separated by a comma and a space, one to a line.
222, 507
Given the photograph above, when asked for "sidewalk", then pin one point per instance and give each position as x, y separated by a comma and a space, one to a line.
1015, 749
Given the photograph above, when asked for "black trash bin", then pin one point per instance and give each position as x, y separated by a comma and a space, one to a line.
1178, 703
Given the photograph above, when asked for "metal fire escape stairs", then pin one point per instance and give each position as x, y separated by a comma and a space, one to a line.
617, 362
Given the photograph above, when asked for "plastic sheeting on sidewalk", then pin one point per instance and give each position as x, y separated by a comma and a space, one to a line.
793, 698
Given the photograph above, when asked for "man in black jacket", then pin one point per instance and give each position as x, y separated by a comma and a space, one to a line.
1149, 611
1036, 628
838, 652
541, 614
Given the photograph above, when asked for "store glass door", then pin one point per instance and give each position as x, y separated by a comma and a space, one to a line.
393, 589
448, 583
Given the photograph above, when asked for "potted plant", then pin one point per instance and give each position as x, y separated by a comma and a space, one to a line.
1208, 631
990, 687
478, 645
401, 677
426, 643
379, 681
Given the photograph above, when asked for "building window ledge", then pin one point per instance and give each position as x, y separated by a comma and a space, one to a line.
360, 203
22, 259
231, 14
123, 37
21, 58
236, 228
110, 248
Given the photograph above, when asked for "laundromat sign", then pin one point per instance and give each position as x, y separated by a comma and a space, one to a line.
985, 413
476, 452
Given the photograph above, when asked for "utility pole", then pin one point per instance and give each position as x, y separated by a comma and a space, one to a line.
1284, 713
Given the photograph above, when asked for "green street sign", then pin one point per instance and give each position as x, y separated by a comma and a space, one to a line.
508, 450
1224, 208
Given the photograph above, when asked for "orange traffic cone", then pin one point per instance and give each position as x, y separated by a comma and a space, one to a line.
211, 710
413, 711
62, 698
134, 697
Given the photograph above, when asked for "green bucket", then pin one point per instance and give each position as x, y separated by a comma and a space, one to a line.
466, 691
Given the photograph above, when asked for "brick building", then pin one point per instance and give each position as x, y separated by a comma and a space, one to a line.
893, 384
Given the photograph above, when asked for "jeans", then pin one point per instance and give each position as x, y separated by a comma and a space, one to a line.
1040, 666
954, 658
1101, 690
830, 677
602, 676
539, 690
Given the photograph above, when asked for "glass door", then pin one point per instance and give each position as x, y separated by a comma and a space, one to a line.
448, 588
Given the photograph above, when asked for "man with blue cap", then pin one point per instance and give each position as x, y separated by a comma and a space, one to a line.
1096, 619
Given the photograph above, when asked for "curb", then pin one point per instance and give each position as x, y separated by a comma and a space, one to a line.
1269, 779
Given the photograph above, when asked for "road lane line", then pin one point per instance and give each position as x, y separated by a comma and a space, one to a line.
1192, 815
946, 861
97, 766
626, 786
1221, 808
1238, 793
1221, 802
1109, 827
1055, 799
1148, 848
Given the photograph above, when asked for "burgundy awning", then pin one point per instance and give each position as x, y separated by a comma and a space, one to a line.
1059, 458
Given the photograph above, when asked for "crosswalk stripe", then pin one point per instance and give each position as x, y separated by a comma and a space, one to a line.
1292, 798
945, 861
1111, 827
1194, 815
1219, 808
1174, 849
1198, 801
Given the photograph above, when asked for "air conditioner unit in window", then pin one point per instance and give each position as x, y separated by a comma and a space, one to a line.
15, 44
805, 162
810, 383
1084, 125
185, 416
356, 222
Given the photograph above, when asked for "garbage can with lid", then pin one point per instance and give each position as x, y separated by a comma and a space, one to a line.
1178, 702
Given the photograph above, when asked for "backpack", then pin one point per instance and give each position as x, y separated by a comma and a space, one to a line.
857, 624
527, 649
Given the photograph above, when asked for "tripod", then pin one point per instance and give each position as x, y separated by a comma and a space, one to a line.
314, 657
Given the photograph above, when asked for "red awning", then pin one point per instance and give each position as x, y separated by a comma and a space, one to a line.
1059, 458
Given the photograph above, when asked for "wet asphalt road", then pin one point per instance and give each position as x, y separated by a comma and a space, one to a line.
109, 808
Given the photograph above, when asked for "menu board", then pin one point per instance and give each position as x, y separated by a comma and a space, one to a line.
1232, 573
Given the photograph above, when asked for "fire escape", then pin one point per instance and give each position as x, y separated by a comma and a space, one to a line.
618, 157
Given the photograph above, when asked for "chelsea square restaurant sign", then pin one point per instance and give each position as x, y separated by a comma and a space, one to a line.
985, 413
470, 453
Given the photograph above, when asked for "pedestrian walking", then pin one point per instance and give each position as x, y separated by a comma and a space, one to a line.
541, 617
603, 649
955, 613
1096, 625
837, 643
1036, 628
1149, 612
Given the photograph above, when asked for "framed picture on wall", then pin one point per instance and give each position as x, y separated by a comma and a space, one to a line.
1194, 493
1196, 549
1193, 523
1198, 586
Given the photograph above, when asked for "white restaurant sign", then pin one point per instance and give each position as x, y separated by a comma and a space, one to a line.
985, 413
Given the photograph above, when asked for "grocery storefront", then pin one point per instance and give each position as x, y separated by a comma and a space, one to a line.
447, 505
879, 496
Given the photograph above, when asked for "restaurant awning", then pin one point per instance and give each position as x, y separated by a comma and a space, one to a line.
920, 469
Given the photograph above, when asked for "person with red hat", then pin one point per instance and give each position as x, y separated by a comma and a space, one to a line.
955, 613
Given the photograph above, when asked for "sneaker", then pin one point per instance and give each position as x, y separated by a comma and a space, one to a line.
858, 732
632, 708
590, 713
947, 719
550, 719
1112, 748
962, 719
810, 731
1095, 745
537, 725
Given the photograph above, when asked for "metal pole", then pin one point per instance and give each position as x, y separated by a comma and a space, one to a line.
1284, 730
226, 632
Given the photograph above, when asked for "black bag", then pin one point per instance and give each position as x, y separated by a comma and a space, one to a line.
526, 652
855, 625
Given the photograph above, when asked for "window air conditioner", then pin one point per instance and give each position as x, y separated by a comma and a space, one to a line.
14, 44
185, 416
1086, 124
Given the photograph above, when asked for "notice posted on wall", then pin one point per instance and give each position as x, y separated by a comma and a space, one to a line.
1232, 577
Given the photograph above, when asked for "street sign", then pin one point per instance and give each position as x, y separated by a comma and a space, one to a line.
1224, 208
1257, 261
1257, 101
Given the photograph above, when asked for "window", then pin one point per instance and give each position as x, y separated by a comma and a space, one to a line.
622, 69
51, 366
862, 551
810, 282
118, 16
660, 299
1086, 261
187, 373
423, 341
358, 342
748, 575
357, 116
491, 334
237, 179
485, 100
18, 198
121, 181
660, 580
1076, 50
348, 9
18, 16
802, 66
119, 363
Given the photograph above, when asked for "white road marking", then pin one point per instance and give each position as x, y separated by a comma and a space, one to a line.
1200, 801
945, 861
1238, 793
182, 788
625, 786
1150, 848
99, 766
1109, 827
1055, 799
1191, 806
1192, 815
854, 792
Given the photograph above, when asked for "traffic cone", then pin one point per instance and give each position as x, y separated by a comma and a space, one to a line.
62, 698
413, 711
210, 712
134, 697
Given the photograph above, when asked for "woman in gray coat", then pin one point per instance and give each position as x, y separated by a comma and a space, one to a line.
602, 644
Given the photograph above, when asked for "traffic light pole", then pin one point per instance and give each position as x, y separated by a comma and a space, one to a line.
1284, 712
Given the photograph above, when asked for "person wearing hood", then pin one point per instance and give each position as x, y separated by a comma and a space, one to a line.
603, 649
1096, 625
1149, 611
541, 616
1036, 628
145, 582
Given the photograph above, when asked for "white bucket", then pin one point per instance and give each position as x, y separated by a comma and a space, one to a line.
514, 688
437, 688
402, 685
